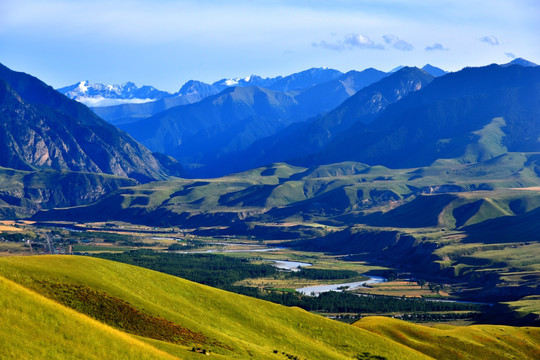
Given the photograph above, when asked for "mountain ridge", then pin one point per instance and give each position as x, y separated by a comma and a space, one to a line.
450, 110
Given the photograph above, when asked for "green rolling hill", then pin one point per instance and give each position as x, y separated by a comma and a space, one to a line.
339, 193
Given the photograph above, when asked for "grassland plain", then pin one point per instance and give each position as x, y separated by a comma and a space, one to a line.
236, 326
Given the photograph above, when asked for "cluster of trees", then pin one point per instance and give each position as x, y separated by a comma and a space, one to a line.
209, 269
344, 302
324, 274
186, 246
17, 237
369, 356
105, 236
420, 317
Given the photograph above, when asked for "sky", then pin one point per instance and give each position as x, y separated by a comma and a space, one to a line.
166, 43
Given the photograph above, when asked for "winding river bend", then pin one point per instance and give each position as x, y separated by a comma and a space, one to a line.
289, 265
317, 289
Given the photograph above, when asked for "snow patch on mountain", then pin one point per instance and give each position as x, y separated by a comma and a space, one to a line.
100, 101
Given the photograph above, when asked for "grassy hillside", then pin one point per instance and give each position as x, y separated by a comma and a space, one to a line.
450, 342
229, 325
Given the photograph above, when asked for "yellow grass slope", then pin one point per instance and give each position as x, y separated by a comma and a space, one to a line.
459, 342
33, 327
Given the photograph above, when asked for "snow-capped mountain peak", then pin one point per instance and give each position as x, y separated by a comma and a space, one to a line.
95, 94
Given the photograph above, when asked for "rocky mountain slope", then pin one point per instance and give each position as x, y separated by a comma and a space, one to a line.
42, 129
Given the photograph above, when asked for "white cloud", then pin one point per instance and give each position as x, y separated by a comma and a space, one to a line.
349, 42
510, 55
361, 42
490, 39
397, 43
436, 47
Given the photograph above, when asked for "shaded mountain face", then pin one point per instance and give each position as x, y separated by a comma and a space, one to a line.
22, 193
216, 125
433, 70
42, 129
471, 115
303, 139
520, 62
330, 94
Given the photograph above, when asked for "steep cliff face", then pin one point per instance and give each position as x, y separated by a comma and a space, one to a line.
42, 129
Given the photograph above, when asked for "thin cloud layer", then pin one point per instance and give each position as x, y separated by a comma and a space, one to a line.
510, 55
397, 43
351, 41
490, 39
436, 47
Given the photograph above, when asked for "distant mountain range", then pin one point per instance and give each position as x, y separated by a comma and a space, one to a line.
101, 96
340, 119
203, 133
120, 104
43, 129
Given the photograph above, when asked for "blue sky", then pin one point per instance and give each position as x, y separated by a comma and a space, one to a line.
166, 43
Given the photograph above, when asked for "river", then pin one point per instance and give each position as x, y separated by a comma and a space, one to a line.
317, 289
289, 265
